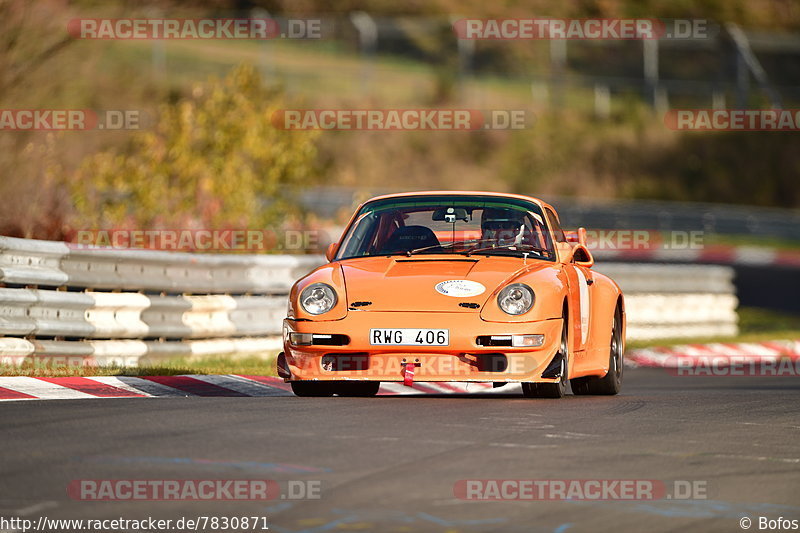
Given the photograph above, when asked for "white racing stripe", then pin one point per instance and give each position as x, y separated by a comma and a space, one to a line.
116, 381
242, 385
461, 387
758, 351
42, 389
719, 349
465, 387
398, 388
436, 387
793, 347
150, 388
647, 357
750, 255
748, 350
585, 304
479, 386
693, 351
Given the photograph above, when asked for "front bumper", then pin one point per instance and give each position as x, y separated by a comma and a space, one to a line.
462, 360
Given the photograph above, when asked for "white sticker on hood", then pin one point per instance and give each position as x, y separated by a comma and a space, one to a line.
460, 288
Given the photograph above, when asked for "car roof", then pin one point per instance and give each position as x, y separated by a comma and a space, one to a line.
463, 193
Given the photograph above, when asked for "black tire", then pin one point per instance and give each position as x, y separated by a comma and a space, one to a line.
558, 389
312, 388
360, 389
611, 383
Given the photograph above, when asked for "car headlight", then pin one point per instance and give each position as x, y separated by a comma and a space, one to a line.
318, 298
516, 299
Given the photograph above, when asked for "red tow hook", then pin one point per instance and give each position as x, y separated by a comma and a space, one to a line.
408, 373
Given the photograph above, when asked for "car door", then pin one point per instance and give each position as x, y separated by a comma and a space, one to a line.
579, 280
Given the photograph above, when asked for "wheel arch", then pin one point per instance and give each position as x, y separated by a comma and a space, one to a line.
566, 319
620, 308
606, 299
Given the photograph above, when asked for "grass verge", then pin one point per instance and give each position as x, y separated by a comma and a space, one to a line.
215, 364
755, 325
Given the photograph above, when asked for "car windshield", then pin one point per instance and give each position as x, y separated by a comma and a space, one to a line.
428, 225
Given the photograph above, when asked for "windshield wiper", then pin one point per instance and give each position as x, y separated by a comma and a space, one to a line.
409, 253
540, 251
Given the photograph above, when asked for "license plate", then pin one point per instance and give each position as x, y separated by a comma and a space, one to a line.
409, 337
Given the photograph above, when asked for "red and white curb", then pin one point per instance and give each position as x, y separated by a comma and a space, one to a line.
79, 388
669, 357
197, 385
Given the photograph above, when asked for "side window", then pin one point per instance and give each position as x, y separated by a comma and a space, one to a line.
557, 231
535, 232
383, 231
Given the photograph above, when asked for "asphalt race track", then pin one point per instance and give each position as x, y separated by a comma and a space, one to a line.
391, 463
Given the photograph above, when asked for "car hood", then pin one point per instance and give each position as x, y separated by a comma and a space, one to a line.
401, 283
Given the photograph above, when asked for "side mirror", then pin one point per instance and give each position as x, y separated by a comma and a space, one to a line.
565, 251
330, 253
582, 236
581, 256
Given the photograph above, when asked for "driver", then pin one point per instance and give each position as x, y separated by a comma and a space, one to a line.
502, 227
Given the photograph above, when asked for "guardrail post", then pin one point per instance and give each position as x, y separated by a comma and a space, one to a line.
367, 42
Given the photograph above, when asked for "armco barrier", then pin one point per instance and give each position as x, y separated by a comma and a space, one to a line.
128, 307
676, 301
135, 306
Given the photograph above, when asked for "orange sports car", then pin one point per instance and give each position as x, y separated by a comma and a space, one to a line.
455, 286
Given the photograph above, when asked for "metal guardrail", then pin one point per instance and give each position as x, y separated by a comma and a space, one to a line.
57, 264
638, 278
133, 307
130, 315
676, 301
655, 215
723, 219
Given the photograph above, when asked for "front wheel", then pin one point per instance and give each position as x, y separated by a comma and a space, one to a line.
611, 383
559, 388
